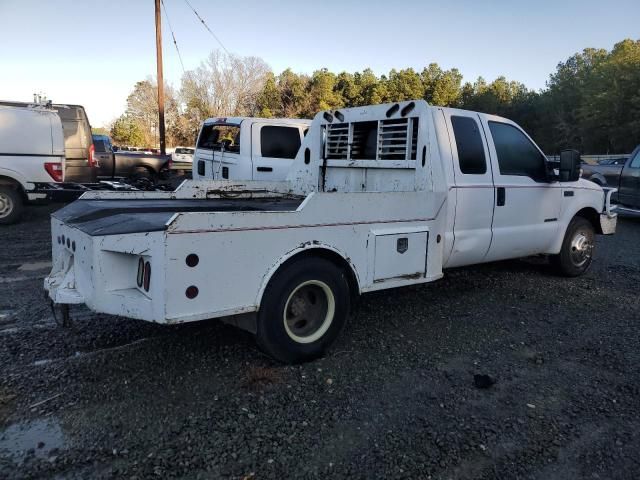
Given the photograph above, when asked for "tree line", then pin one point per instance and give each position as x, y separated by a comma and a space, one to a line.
591, 102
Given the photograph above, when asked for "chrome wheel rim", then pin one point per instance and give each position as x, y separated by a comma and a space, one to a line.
6, 205
581, 249
309, 311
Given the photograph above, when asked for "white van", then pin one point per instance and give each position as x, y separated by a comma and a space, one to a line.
247, 148
31, 152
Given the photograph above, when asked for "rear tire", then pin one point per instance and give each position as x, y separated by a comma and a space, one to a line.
303, 310
143, 178
578, 246
11, 205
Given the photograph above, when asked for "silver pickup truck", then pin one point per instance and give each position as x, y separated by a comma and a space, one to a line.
623, 175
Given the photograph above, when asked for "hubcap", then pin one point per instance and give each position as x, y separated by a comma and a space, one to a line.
6, 205
309, 311
581, 249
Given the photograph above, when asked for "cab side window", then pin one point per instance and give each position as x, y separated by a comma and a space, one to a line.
635, 163
469, 143
516, 154
279, 142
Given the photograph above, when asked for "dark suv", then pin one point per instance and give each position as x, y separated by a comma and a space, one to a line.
80, 163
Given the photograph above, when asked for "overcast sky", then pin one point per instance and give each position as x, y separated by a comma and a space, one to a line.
92, 52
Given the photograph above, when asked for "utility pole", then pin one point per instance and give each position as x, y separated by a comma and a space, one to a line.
163, 149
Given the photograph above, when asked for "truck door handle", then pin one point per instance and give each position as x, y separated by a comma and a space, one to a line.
264, 169
501, 196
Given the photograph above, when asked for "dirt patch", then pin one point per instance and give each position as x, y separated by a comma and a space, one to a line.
395, 398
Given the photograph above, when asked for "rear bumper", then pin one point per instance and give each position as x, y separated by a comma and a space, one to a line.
102, 272
181, 165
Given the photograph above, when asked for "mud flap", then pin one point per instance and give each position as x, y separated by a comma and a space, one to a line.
608, 224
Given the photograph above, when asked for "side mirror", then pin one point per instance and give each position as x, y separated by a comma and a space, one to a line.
569, 166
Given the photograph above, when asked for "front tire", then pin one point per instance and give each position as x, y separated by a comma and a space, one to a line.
303, 310
578, 247
11, 205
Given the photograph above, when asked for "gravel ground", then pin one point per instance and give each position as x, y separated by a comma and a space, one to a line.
117, 398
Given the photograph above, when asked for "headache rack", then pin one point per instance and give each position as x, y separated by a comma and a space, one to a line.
386, 141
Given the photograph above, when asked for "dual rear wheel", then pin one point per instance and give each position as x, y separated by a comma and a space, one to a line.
304, 308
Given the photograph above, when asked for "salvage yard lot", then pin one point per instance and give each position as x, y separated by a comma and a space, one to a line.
395, 397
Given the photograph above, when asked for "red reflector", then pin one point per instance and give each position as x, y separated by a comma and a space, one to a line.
192, 292
92, 159
54, 169
192, 260
147, 276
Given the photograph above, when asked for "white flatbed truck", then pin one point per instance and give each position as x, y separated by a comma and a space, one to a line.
377, 197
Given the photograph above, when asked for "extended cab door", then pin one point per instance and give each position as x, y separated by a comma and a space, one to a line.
527, 205
629, 190
473, 189
273, 149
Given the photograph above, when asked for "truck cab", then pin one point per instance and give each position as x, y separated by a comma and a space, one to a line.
246, 148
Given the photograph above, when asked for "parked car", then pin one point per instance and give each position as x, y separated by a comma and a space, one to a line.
623, 175
613, 161
182, 155
125, 164
31, 152
246, 148
377, 197
80, 165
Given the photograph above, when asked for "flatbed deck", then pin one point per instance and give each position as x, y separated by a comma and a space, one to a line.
120, 216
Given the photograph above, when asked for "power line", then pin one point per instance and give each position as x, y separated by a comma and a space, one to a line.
172, 35
207, 27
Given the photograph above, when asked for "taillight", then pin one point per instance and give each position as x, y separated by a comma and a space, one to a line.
54, 169
147, 276
140, 272
92, 158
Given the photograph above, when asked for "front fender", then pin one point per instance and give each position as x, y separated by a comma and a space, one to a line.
589, 200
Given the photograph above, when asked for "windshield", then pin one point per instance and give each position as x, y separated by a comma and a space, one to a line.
99, 145
188, 151
216, 136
